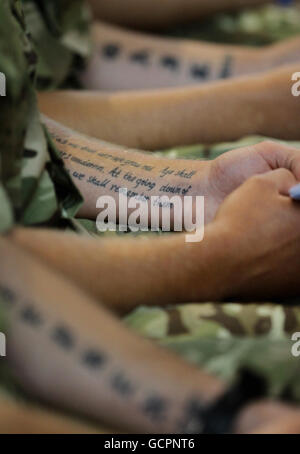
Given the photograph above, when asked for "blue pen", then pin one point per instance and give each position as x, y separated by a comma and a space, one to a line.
295, 192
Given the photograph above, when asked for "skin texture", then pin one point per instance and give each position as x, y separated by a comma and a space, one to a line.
175, 271
49, 366
17, 418
257, 257
263, 204
68, 351
158, 119
155, 13
124, 60
100, 169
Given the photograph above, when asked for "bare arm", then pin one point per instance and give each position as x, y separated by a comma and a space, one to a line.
216, 112
254, 236
159, 186
126, 60
68, 351
99, 168
155, 13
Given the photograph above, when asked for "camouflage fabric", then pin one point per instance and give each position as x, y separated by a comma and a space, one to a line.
212, 151
225, 338
60, 32
34, 187
251, 26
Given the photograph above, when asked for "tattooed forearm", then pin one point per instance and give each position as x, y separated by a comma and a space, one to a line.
150, 403
156, 62
206, 70
64, 338
111, 169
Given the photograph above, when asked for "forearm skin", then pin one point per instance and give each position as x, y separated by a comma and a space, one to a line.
146, 270
99, 168
124, 60
216, 112
66, 350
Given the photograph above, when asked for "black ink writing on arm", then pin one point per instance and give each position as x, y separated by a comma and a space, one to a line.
111, 51
170, 62
122, 384
63, 337
93, 359
200, 71
155, 407
226, 70
141, 57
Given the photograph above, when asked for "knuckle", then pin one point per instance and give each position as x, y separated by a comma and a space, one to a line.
267, 147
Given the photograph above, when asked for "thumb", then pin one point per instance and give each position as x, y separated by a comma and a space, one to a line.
282, 179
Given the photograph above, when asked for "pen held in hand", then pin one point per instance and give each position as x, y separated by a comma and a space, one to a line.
295, 192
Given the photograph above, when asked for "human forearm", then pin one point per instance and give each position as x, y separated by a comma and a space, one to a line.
159, 119
244, 250
71, 353
124, 60
149, 270
99, 168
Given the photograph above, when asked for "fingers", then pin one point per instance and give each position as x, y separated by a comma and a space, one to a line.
280, 179
278, 155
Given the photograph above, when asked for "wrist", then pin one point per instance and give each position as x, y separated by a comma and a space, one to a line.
207, 271
189, 179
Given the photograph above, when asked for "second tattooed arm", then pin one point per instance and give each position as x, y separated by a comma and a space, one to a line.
124, 60
66, 350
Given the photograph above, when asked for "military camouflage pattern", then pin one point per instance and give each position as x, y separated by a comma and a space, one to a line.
61, 36
212, 151
251, 26
34, 187
225, 338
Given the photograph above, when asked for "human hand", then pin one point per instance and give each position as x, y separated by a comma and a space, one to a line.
230, 170
260, 226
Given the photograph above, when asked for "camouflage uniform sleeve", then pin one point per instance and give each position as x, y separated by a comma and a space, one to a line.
34, 186
61, 35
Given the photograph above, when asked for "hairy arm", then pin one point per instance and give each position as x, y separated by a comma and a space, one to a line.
155, 13
216, 112
68, 351
126, 60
